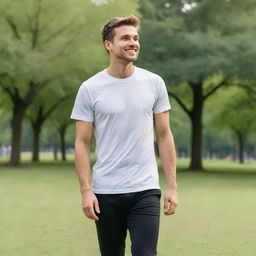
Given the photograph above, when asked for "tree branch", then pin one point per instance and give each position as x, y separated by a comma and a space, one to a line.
35, 30
54, 106
13, 92
45, 82
63, 126
6, 89
31, 93
180, 103
251, 92
214, 89
13, 27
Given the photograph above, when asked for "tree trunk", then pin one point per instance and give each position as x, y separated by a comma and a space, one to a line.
16, 125
20, 106
240, 139
62, 132
197, 129
55, 152
210, 151
55, 144
36, 143
41, 115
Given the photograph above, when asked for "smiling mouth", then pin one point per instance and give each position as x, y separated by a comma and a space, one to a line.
135, 50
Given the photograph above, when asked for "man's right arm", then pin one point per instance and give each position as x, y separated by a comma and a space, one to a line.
82, 159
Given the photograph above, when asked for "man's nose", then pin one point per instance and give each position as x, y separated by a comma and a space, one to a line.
133, 42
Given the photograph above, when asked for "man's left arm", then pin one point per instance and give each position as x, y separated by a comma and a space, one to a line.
167, 154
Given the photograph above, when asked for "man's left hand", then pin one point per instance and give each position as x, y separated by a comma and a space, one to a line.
170, 201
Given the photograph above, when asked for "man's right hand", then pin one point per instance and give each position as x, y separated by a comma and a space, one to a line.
90, 204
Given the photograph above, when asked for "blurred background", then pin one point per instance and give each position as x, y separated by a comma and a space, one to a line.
205, 50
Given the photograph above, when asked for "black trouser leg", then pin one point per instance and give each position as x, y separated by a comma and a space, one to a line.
111, 227
143, 224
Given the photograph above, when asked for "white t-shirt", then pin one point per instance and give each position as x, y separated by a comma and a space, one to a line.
122, 113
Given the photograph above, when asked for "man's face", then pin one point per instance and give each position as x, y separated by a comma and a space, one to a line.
125, 44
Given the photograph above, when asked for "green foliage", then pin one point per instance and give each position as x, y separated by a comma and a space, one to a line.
52, 40
180, 126
160, 9
194, 57
61, 114
4, 128
223, 17
193, 45
237, 112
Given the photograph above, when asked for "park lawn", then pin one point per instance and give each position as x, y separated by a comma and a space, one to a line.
40, 214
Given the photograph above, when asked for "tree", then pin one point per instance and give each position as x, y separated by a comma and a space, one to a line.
237, 113
59, 122
40, 111
48, 40
197, 53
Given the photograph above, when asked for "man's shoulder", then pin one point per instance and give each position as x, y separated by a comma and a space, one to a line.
148, 74
94, 80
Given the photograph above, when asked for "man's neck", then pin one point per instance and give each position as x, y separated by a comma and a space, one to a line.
120, 71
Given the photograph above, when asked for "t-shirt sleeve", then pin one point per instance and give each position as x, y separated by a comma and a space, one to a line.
162, 102
82, 109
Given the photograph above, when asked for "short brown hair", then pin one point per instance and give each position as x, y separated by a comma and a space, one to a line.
108, 31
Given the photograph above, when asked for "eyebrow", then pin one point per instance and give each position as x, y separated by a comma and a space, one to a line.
137, 36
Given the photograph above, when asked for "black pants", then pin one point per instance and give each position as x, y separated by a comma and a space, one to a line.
138, 212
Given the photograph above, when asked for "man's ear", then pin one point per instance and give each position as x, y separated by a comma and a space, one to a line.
107, 45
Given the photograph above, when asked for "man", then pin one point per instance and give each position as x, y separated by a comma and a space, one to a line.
121, 105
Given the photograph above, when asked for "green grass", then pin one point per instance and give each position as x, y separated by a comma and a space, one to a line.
40, 213
218, 165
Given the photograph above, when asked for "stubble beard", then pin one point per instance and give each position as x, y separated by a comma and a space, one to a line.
128, 59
